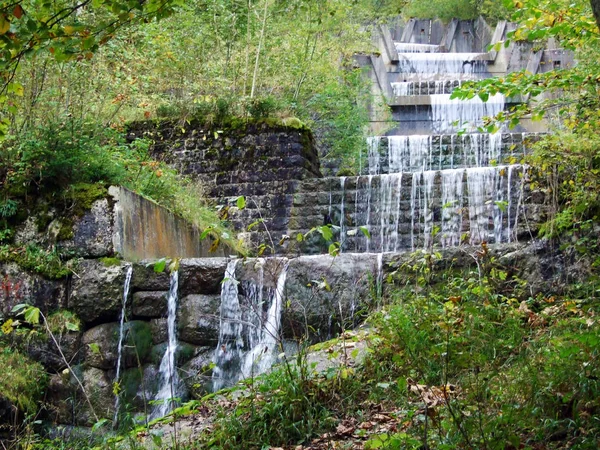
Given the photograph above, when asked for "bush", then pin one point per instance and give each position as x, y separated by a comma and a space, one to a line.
23, 381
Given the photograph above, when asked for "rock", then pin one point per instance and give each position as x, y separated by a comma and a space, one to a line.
198, 319
100, 346
149, 304
158, 328
93, 232
144, 278
99, 388
97, 292
42, 349
197, 373
66, 403
183, 354
61, 398
19, 287
324, 293
6, 413
102, 342
201, 276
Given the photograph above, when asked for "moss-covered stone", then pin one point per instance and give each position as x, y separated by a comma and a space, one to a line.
139, 336
110, 262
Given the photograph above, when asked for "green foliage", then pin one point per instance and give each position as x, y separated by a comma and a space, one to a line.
566, 161
48, 263
63, 321
71, 163
447, 10
23, 381
286, 407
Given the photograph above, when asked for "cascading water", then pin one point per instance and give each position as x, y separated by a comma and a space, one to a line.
431, 65
263, 353
411, 88
169, 387
409, 47
249, 333
454, 114
121, 336
456, 186
228, 354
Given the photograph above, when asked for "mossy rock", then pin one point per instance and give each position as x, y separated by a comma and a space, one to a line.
23, 381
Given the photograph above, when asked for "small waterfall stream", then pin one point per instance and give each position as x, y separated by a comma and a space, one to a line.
121, 336
169, 380
249, 330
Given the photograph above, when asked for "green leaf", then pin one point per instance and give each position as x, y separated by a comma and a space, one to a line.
326, 232
160, 265
95, 348
241, 202
19, 307
365, 231
99, 424
71, 326
32, 315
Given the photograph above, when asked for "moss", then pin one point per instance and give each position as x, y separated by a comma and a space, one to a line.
34, 259
346, 173
184, 353
110, 262
131, 383
83, 195
23, 380
66, 230
139, 335
42, 220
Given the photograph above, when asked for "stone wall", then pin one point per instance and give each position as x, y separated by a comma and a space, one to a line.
260, 160
315, 296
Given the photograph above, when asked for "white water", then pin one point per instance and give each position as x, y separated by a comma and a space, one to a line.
390, 195
452, 202
407, 47
248, 335
121, 335
342, 214
432, 65
453, 115
231, 343
416, 153
410, 88
263, 353
485, 192
169, 385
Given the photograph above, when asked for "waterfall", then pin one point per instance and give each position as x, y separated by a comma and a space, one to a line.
390, 189
263, 353
452, 201
228, 354
450, 115
169, 380
342, 217
460, 65
368, 217
485, 192
121, 333
373, 156
409, 153
433, 87
409, 47
379, 281
248, 335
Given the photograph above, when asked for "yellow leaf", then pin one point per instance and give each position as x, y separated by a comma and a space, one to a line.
4, 24
69, 30
7, 326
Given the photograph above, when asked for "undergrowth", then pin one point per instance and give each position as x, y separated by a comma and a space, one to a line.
56, 171
459, 359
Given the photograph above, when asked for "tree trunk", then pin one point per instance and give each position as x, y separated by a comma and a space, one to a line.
596, 10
